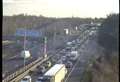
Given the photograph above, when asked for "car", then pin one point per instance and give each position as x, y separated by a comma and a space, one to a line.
63, 58
40, 79
26, 79
78, 40
74, 48
69, 64
69, 43
68, 49
59, 61
41, 70
48, 64
73, 41
63, 50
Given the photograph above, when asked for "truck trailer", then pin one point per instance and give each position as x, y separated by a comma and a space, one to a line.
55, 74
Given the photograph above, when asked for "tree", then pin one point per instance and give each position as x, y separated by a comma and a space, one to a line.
108, 33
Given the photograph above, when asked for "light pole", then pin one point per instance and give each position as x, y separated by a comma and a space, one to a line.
54, 37
45, 46
24, 45
66, 32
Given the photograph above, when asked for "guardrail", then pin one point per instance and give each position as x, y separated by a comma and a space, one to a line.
23, 71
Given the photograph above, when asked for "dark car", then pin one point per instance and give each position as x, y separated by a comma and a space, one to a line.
69, 64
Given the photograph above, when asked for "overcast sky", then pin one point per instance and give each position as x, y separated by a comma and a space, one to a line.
61, 8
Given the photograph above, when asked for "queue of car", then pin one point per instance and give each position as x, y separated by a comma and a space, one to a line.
67, 56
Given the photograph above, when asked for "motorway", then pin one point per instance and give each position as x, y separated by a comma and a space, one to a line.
16, 62
88, 50
35, 53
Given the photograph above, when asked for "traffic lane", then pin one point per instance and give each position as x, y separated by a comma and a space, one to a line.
16, 53
11, 66
77, 70
14, 57
35, 77
84, 59
76, 73
37, 50
16, 63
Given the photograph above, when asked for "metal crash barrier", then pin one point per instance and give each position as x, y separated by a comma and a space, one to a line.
28, 67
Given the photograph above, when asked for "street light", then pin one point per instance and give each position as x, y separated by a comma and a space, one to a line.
24, 45
45, 46
25, 53
66, 32
54, 37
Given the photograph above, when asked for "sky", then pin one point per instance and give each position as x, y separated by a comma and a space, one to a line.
61, 8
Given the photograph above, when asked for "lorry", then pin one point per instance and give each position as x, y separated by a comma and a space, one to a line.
56, 73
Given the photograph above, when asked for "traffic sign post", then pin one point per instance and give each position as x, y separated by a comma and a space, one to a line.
24, 45
45, 46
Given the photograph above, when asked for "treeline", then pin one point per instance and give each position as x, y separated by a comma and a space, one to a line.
11, 23
109, 33
108, 38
